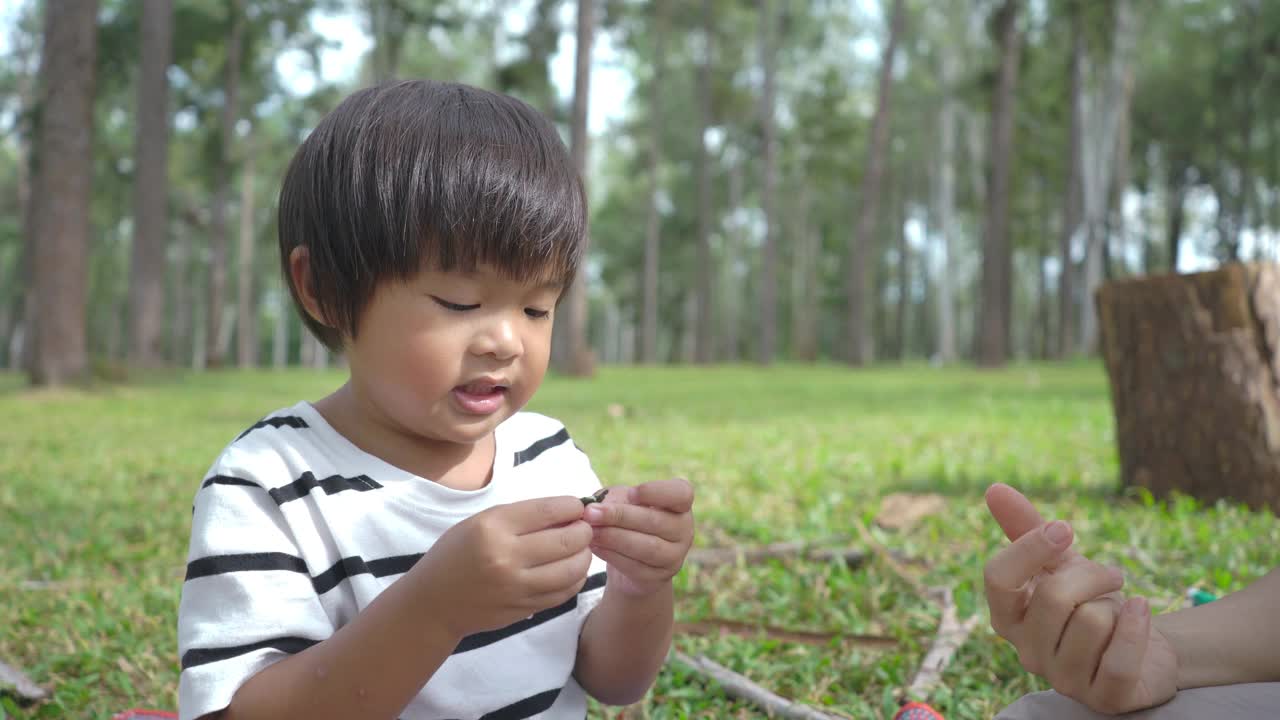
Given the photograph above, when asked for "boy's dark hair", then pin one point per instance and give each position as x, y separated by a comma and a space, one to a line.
418, 174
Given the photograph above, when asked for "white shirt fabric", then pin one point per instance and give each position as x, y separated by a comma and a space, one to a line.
295, 530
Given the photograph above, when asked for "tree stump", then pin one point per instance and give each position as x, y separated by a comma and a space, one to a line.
1194, 367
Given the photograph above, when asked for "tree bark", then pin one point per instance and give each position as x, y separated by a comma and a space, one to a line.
1177, 215
806, 247
653, 231
768, 307
62, 189
1206, 341
705, 341
1101, 120
219, 237
997, 256
151, 188
858, 341
579, 361
1071, 195
246, 315
904, 278
945, 204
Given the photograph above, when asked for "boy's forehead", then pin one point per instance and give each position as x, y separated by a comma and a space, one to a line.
486, 273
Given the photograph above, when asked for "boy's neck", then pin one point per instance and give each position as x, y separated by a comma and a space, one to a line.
453, 465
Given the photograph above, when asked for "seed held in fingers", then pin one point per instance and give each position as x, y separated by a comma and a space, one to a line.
597, 496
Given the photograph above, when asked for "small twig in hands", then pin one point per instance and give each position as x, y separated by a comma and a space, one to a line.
952, 633
11, 677
740, 687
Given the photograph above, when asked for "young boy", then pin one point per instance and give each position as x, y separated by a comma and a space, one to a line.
413, 546
1105, 654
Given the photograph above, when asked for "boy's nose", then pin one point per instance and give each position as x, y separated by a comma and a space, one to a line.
500, 339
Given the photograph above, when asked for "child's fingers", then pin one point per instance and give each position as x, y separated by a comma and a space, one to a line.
1058, 596
1006, 575
1121, 666
552, 544
642, 519
675, 495
529, 516
558, 576
641, 547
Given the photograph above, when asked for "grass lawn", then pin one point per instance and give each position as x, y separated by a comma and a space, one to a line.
96, 489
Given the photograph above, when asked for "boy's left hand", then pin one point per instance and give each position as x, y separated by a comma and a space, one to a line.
644, 533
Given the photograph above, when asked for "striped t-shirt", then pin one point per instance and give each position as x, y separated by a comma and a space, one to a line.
296, 530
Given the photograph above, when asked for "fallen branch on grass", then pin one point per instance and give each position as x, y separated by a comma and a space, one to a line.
740, 687
952, 633
714, 557
717, 626
887, 557
11, 677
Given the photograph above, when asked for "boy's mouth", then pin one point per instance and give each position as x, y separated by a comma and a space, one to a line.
480, 397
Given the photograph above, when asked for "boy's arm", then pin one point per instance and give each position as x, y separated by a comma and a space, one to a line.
623, 644
643, 533
370, 668
1230, 640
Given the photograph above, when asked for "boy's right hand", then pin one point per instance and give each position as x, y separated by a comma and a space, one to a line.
506, 563
1064, 614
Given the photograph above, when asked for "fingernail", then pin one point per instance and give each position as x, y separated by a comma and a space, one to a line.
1137, 606
1057, 532
593, 514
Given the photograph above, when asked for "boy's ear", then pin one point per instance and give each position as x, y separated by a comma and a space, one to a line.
300, 273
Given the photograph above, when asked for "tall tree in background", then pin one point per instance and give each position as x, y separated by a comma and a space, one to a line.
997, 254
1103, 103
704, 346
61, 190
858, 341
219, 240
945, 199
1071, 195
246, 318
653, 229
579, 361
151, 188
768, 332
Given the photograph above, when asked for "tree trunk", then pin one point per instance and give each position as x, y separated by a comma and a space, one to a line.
280, 337
733, 300
904, 278
219, 237
1101, 120
61, 191
1206, 341
1117, 231
575, 356
1176, 201
858, 340
653, 231
705, 340
151, 188
1071, 195
22, 289
997, 256
768, 291
945, 204
806, 247
246, 308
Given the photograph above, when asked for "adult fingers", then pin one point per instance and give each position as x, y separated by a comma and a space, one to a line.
1057, 596
1086, 635
1120, 669
1007, 574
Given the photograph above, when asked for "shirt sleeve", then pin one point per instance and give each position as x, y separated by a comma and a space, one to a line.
248, 600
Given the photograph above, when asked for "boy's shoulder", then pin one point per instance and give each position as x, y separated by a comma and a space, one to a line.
264, 452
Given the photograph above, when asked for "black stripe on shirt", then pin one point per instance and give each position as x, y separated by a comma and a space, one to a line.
331, 485
248, 562
350, 566
525, 708
292, 421
541, 446
202, 656
479, 640
228, 480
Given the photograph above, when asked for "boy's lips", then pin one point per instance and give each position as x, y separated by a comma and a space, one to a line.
481, 397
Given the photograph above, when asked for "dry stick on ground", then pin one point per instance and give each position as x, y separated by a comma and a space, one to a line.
719, 626
740, 687
886, 556
713, 557
952, 633
11, 677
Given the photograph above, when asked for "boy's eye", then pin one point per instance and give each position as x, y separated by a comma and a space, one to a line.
453, 306
536, 313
